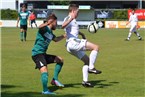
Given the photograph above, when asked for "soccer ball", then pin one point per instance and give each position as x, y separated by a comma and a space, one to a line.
93, 27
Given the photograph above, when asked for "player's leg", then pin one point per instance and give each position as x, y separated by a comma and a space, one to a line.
59, 63
31, 23
25, 32
93, 56
130, 32
81, 44
85, 68
137, 34
35, 23
44, 80
21, 32
41, 64
82, 56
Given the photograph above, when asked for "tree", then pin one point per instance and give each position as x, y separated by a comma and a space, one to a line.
61, 2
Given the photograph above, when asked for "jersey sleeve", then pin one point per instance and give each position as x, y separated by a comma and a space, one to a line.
42, 30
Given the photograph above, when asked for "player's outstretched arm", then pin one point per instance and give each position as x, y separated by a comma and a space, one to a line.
46, 23
66, 22
127, 23
59, 38
69, 19
83, 35
43, 25
18, 19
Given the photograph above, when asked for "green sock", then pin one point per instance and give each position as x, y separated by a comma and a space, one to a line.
44, 79
21, 35
58, 67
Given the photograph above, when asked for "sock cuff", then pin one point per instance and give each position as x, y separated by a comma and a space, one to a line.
94, 51
61, 63
44, 73
85, 66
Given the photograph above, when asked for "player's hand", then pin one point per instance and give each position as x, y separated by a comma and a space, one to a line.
137, 26
49, 22
64, 35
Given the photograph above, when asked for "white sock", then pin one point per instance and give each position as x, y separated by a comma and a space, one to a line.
129, 35
85, 72
92, 58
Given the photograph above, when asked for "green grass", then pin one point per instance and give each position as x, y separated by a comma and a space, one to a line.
122, 63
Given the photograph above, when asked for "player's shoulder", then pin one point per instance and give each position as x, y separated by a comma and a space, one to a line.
67, 18
27, 12
135, 14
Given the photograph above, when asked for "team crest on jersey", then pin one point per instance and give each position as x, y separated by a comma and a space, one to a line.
24, 15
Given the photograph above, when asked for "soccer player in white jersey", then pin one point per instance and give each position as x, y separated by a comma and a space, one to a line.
77, 47
133, 20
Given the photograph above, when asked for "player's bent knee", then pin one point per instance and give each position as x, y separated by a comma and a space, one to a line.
43, 69
96, 48
59, 60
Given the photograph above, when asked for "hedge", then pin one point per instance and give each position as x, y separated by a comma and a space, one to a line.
120, 14
7, 14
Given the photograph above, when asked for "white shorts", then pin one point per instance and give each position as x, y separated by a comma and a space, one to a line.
76, 47
133, 28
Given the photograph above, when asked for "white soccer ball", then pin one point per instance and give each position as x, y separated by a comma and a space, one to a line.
93, 27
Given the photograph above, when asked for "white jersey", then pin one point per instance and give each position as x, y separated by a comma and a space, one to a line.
72, 29
133, 19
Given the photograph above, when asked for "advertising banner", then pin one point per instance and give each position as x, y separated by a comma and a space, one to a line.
1, 23
140, 13
42, 13
103, 14
111, 24
122, 24
141, 24
101, 24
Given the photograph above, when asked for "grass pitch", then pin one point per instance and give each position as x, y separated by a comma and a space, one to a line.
122, 63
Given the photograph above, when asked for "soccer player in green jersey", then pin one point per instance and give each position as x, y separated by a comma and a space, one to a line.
39, 56
23, 17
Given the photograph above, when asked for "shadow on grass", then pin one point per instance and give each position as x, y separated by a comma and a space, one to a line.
36, 94
96, 83
7, 86
100, 84
5, 93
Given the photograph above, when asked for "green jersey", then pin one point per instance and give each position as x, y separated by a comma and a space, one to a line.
43, 39
23, 17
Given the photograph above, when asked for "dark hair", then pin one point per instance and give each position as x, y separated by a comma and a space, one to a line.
73, 6
23, 6
52, 16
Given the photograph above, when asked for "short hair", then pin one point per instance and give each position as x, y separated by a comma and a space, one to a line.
23, 6
73, 7
51, 16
